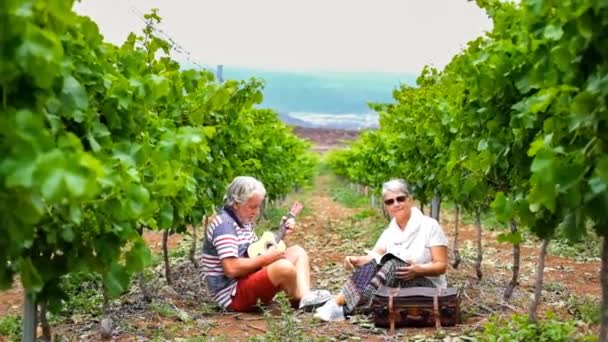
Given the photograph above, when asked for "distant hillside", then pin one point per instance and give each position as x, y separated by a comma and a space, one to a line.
295, 121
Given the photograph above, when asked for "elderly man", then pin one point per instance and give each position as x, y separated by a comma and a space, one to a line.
236, 281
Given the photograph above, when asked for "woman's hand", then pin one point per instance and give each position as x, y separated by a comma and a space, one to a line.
352, 261
436, 267
408, 272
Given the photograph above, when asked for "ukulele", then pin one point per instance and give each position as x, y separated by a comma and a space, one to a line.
270, 240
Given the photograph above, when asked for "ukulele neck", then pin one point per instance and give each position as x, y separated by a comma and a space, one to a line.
278, 236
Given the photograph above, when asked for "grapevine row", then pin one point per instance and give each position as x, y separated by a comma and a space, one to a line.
517, 122
100, 141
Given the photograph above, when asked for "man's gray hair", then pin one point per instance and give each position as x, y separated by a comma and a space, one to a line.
243, 188
397, 185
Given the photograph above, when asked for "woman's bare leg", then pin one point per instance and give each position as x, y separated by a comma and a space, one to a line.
340, 299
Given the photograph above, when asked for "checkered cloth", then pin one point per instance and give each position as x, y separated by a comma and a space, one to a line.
360, 288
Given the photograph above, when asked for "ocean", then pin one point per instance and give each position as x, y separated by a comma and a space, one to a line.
324, 99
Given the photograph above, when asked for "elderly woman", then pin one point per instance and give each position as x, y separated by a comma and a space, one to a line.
416, 239
236, 281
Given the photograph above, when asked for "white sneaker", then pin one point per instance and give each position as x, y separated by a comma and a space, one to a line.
314, 300
330, 312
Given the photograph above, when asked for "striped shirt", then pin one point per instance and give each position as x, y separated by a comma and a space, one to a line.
224, 238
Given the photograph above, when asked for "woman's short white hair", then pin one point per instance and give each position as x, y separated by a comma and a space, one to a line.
397, 185
243, 188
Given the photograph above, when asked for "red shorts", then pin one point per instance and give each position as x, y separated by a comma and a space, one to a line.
250, 288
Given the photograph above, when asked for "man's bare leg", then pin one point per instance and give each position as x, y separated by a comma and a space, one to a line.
299, 258
282, 274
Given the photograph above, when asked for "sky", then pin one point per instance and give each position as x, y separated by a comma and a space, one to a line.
338, 35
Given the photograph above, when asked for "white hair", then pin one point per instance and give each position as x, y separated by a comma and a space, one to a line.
243, 188
396, 185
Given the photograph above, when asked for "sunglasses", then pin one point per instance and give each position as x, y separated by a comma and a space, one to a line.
399, 199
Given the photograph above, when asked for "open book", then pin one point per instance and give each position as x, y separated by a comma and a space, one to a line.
382, 258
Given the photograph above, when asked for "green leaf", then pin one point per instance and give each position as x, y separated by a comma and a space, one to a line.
209, 131
67, 234
91, 164
52, 185
93, 143
543, 161
100, 130
137, 198
584, 103
502, 207
29, 210
75, 183
540, 101
31, 279
166, 216
124, 157
75, 214
568, 174
115, 280
601, 169
562, 57
553, 32
74, 95
597, 185
510, 237
124, 100
189, 136
584, 26
523, 84
21, 173
536, 146
39, 55
542, 191
158, 86
68, 141
572, 225
482, 58
138, 257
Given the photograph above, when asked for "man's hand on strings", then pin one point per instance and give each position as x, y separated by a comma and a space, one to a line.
290, 224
